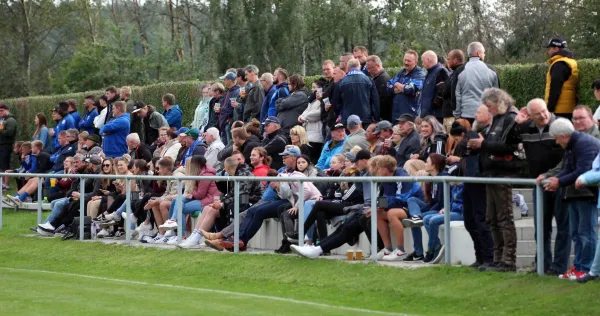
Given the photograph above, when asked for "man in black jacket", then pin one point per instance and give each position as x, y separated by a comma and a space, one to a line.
456, 60
543, 154
274, 141
137, 149
498, 159
381, 78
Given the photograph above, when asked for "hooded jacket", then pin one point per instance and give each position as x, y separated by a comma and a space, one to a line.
312, 122
274, 144
290, 108
281, 91
64, 124
58, 158
410, 145
174, 116
8, 134
264, 110
289, 190
541, 150
406, 101
580, 154
152, 123
114, 134
358, 138
328, 153
87, 122
206, 190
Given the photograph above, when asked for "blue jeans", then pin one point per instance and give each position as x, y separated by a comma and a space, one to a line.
583, 217
189, 207
308, 206
255, 216
56, 206
418, 207
432, 224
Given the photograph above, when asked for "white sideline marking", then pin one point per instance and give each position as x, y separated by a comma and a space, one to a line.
273, 298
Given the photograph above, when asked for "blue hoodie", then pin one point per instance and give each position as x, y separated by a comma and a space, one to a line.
76, 118
264, 110
327, 153
174, 116
114, 134
64, 124
87, 122
398, 193
282, 92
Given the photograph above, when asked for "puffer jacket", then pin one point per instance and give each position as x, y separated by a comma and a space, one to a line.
290, 108
312, 122
206, 190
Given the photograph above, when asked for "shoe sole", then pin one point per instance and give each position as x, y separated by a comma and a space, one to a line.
439, 257
207, 235
216, 247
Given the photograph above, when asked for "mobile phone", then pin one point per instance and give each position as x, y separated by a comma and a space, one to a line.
382, 202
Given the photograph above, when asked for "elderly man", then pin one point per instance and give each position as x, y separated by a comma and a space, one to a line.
499, 160
543, 154
562, 78
266, 81
410, 144
137, 149
274, 141
384, 130
472, 81
195, 146
381, 77
356, 94
114, 132
332, 147
406, 85
215, 145
580, 151
357, 135
430, 101
152, 121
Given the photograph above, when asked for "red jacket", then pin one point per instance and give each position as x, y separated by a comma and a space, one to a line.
206, 190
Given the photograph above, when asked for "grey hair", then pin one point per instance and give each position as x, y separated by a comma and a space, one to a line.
268, 77
134, 137
214, 132
375, 59
73, 132
431, 55
561, 126
251, 68
497, 97
353, 63
538, 101
231, 162
475, 47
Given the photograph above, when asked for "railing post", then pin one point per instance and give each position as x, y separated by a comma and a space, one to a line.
539, 233
180, 224
39, 201
373, 221
127, 210
300, 214
447, 209
236, 217
81, 208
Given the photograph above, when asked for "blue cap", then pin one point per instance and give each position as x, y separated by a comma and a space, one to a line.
353, 120
230, 75
182, 130
291, 151
271, 119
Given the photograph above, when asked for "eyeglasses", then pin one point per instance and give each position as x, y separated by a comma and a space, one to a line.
106, 165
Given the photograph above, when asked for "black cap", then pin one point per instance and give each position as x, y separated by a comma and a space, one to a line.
339, 125
556, 42
138, 105
382, 126
406, 118
363, 154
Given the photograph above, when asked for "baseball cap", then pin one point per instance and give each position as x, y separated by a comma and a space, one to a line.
230, 75
350, 156
381, 126
182, 130
94, 160
339, 125
3, 106
405, 118
137, 106
556, 42
193, 133
271, 119
363, 154
353, 121
291, 151
93, 137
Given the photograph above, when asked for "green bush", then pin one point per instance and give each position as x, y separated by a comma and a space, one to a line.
523, 82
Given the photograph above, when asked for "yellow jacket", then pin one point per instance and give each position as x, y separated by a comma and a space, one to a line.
568, 95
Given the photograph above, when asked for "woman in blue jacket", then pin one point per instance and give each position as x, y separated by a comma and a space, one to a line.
41, 132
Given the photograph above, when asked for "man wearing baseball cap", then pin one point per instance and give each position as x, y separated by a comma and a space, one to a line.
226, 114
384, 131
357, 137
562, 78
411, 143
195, 146
333, 147
274, 141
150, 119
8, 132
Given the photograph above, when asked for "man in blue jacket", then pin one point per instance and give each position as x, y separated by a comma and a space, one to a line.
430, 99
115, 132
195, 145
73, 111
172, 113
64, 121
266, 80
281, 89
68, 147
356, 94
406, 85
87, 122
332, 147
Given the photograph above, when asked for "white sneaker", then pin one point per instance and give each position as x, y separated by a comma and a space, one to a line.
44, 233
146, 239
170, 233
382, 253
170, 224
16, 201
143, 227
172, 240
159, 239
191, 242
102, 234
307, 251
47, 227
113, 217
396, 255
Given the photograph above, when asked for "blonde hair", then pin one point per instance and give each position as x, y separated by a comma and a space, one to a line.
106, 182
340, 158
301, 133
355, 150
191, 169
387, 162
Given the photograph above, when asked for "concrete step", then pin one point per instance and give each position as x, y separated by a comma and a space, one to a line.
529, 247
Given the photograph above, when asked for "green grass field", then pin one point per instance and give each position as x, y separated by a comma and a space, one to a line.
74, 278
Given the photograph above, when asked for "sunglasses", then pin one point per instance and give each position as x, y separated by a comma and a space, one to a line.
106, 165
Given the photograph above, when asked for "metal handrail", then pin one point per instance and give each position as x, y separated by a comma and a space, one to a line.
446, 180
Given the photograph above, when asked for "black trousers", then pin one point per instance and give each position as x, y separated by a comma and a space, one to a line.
321, 212
349, 232
474, 196
117, 202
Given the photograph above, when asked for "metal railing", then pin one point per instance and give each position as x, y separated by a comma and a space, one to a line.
446, 180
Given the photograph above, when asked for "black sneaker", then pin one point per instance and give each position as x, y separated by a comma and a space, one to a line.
428, 257
292, 238
33, 229
550, 272
475, 265
284, 248
414, 257
438, 254
487, 265
68, 235
503, 267
588, 277
415, 221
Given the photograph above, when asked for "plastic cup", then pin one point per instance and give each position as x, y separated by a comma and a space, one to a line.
359, 254
350, 255
217, 107
53, 182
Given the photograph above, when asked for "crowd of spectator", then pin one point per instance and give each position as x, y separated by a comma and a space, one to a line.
446, 118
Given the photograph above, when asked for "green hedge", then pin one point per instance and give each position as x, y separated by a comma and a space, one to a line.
523, 82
